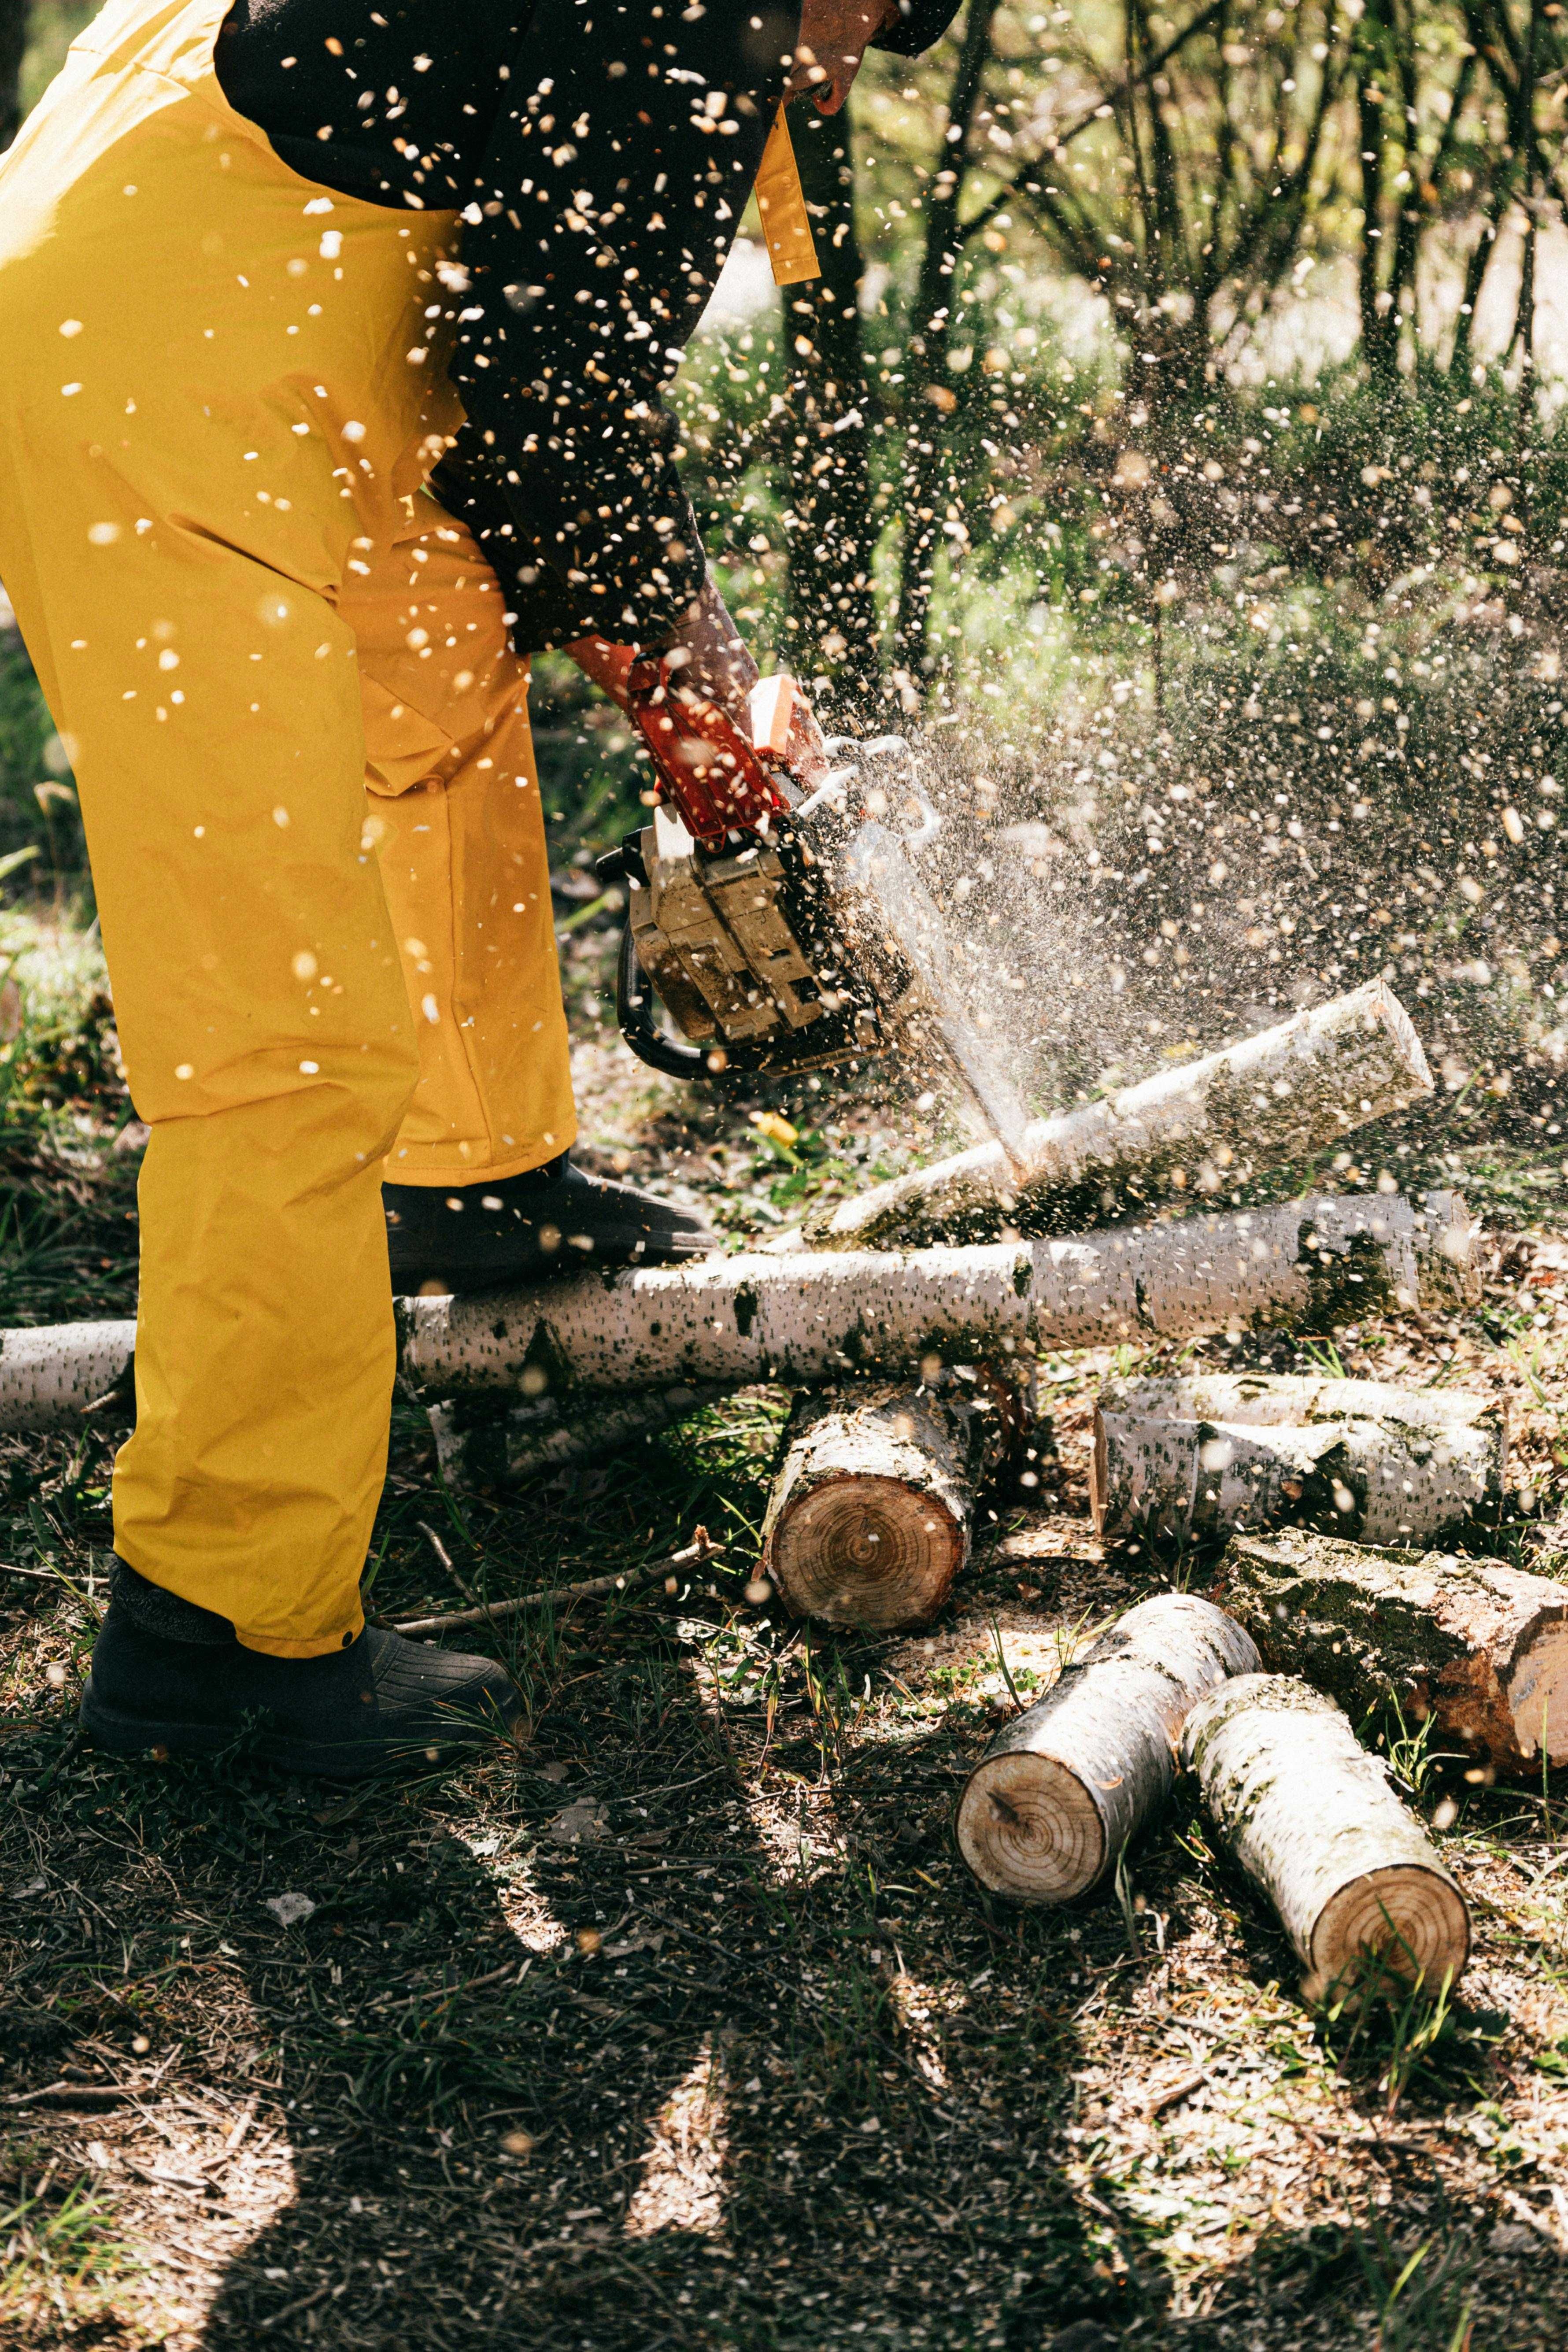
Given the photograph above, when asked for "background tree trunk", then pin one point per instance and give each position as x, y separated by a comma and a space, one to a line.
929, 398
829, 529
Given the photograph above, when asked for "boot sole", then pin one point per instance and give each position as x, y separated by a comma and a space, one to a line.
328, 1759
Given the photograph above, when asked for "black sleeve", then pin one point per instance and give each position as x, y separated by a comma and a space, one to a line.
619, 164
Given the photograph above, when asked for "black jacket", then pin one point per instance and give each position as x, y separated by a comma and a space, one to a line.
601, 154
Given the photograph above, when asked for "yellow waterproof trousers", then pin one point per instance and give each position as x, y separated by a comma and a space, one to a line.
300, 741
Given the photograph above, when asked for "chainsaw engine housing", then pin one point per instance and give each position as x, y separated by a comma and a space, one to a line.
746, 949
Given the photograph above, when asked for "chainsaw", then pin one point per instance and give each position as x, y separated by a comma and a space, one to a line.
773, 906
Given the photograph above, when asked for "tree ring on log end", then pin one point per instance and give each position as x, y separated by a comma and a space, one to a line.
1410, 1919
1027, 1827
887, 1561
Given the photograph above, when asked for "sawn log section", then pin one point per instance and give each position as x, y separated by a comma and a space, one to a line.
1357, 1459
1482, 1646
1061, 1789
870, 1519
1310, 1816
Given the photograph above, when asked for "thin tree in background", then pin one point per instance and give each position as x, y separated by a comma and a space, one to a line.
14, 25
829, 529
930, 397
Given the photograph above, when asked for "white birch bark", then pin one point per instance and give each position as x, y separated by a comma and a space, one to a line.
1295, 1399
1359, 1459
51, 1374
817, 1316
1481, 1647
871, 1513
1358, 1884
1060, 1791
486, 1449
1276, 1097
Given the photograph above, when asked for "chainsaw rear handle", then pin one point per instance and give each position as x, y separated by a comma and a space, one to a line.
634, 1017
634, 990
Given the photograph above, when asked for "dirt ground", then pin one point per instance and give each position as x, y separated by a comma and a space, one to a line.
683, 2025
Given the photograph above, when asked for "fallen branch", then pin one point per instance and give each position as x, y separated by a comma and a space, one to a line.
1354, 1459
816, 1317
869, 1521
73, 2095
593, 1588
1358, 1884
1206, 1127
1480, 1646
1060, 1791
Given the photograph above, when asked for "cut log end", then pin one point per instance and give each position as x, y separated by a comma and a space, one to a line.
1403, 1921
870, 1552
1028, 1828
1537, 1693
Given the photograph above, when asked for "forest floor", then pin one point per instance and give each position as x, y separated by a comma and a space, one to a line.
683, 2025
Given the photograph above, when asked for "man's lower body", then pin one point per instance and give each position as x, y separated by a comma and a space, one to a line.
300, 742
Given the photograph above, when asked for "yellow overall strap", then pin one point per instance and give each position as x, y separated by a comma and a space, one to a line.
786, 224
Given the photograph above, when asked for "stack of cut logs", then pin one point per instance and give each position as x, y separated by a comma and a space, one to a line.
908, 1323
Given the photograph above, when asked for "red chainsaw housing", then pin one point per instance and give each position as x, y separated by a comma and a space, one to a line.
705, 765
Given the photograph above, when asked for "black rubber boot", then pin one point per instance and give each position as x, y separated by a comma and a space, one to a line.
553, 1220
170, 1676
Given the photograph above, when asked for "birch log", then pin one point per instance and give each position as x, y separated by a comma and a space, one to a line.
817, 1316
1060, 1791
1360, 1459
1481, 1647
478, 1444
870, 1516
1203, 1128
51, 1374
1309, 1815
